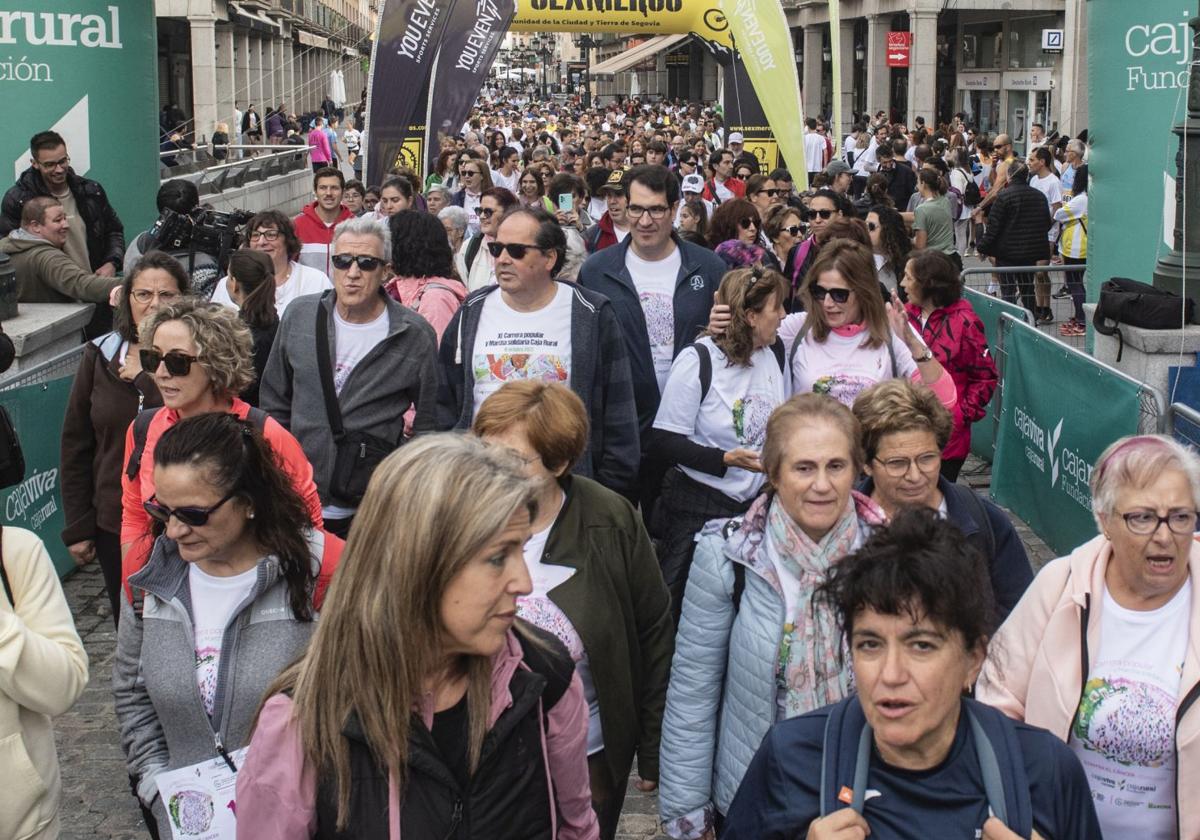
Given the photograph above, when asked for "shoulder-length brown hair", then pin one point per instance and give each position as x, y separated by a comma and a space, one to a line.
856, 264
429, 509
745, 290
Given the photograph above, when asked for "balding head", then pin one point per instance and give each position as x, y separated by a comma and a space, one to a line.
1002, 140
34, 210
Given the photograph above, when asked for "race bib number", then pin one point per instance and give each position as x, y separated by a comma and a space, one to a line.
200, 798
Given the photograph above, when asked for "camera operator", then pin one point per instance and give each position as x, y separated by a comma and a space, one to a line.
182, 230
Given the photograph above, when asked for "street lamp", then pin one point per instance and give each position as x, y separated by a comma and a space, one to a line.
585, 42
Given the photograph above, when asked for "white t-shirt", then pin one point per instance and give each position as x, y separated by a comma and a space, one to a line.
509, 182
521, 345
655, 283
620, 232
723, 192
352, 342
1124, 734
841, 366
733, 414
1049, 186
302, 280
214, 600
597, 207
538, 609
814, 151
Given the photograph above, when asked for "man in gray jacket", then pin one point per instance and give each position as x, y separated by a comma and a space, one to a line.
351, 357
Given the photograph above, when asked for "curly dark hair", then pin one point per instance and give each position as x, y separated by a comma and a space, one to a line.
921, 566
420, 247
726, 219
234, 457
892, 236
273, 218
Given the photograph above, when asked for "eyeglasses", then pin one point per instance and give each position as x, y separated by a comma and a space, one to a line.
269, 235
193, 517
769, 193
1145, 522
824, 214
872, 226
658, 212
748, 223
898, 467
486, 212
51, 165
146, 295
516, 250
838, 295
365, 261
794, 230
468, 173
177, 362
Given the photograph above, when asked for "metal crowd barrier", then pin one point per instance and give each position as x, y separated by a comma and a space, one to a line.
1183, 424
212, 176
58, 367
986, 280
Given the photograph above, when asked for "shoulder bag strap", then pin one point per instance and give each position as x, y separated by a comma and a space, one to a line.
800, 336
706, 370
4, 573
325, 368
989, 766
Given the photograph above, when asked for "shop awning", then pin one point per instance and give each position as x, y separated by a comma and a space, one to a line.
636, 55
310, 39
254, 19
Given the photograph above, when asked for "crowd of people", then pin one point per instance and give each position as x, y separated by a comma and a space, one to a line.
602, 447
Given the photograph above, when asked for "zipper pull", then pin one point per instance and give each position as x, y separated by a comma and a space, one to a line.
221, 752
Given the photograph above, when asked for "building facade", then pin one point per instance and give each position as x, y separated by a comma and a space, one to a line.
217, 57
1006, 64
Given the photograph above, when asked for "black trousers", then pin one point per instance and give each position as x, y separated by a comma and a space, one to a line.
108, 555
608, 797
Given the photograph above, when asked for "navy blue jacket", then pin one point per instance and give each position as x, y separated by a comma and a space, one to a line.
1007, 562
700, 274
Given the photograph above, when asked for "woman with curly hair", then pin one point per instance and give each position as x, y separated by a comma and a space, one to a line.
889, 242
427, 282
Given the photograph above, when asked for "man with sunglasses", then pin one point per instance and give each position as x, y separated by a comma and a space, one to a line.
355, 357
96, 237
531, 326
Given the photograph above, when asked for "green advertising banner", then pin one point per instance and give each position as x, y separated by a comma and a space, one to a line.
1138, 57
36, 503
989, 309
89, 71
1060, 411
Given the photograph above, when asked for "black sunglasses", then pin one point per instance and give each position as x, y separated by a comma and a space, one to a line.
178, 363
365, 262
515, 250
872, 226
824, 214
838, 295
771, 193
486, 212
794, 230
193, 517
748, 222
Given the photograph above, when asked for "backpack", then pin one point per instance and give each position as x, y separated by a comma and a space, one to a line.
706, 367
141, 427
846, 757
973, 195
1125, 301
807, 326
472, 250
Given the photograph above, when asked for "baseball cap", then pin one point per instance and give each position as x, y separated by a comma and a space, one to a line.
836, 168
692, 183
736, 137
616, 181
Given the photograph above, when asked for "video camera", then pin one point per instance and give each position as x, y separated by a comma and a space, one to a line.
199, 230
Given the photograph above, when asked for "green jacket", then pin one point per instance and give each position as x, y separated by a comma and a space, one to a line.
45, 274
620, 607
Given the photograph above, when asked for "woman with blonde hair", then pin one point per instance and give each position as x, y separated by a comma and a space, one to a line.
596, 586
423, 704
713, 417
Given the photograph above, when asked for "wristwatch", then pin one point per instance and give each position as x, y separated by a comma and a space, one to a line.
927, 357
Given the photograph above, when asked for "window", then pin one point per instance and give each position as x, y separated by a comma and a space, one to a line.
1025, 41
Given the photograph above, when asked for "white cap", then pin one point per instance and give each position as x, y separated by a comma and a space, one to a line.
693, 183
736, 137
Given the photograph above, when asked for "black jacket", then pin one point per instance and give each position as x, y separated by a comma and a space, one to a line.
105, 233
507, 797
902, 183
1017, 224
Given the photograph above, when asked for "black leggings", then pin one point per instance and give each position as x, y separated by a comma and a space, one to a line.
108, 555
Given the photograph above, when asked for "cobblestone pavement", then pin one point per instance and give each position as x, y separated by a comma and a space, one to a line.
96, 801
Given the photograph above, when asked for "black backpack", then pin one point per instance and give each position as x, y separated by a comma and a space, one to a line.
973, 195
1125, 301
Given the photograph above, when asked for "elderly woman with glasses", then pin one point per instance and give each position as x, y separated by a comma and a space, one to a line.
200, 357
1104, 649
110, 387
272, 233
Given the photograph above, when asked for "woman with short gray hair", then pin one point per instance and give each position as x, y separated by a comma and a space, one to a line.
455, 220
1104, 648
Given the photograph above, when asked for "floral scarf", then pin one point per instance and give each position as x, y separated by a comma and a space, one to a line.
808, 670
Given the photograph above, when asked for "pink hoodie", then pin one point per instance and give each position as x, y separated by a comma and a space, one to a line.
277, 791
435, 299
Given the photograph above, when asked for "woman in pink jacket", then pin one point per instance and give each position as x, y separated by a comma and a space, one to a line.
321, 155
423, 707
1104, 648
425, 280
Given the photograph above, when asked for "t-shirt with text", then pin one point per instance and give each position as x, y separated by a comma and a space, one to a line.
214, 601
841, 365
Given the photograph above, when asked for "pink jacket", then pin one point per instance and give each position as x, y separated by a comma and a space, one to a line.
1036, 673
321, 153
435, 299
276, 790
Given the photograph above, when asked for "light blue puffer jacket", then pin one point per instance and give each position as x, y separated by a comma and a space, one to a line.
722, 697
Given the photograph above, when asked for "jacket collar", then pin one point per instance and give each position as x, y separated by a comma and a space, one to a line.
166, 572
397, 323
505, 663
617, 270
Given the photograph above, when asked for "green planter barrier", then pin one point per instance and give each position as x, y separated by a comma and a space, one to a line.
989, 309
1060, 409
36, 503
